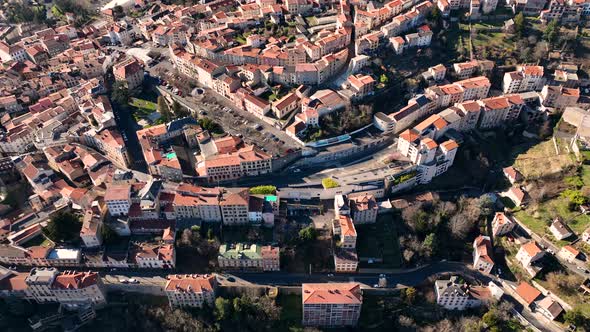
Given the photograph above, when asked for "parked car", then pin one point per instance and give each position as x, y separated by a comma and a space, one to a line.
133, 281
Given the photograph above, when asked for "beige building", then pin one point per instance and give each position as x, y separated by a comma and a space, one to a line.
234, 207
482, 254
502, 224
130, 72
363, 209
344, 227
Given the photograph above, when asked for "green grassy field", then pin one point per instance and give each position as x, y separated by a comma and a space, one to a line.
143, 104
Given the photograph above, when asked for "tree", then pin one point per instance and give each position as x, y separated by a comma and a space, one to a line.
108, 234
551, 32
308, 234
574, 196
575, 317
64, 226
120, 94
179, 111
210, 125
223, 309
383, 79
431, 243
491, 318
164, 109
519, 24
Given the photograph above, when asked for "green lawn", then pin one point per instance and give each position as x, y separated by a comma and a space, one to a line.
537, 220
143, 104
380, 240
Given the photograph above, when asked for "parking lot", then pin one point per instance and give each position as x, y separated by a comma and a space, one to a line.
242, 124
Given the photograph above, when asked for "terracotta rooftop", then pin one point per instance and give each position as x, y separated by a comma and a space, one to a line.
332, 293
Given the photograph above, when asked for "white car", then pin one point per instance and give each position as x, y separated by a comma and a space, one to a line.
123, 281
133, 281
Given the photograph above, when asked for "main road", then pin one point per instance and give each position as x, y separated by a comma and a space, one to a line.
154, 281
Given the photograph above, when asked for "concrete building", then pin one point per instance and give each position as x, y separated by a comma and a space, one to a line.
118, 199
331, 304
191, 290
249, 257
525, 78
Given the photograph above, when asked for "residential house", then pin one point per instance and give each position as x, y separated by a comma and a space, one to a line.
502, 224
455, 294
560, 229
482, 254
527, 293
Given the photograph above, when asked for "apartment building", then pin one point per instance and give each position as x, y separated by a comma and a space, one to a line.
70, 288
12, 53
559, 97
234, 207
331, 304
249, 257
289, 103
502, 224
455, 294
525, 78
152, 255
438, 72
90, 233
345, 260
482, 254
197, 203
130, 72
499, 111
118, 199
363, 208
344, 228
247, 161
77, 289
191, 290
431, 157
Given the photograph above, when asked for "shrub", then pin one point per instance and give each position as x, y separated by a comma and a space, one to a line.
263, 190
330, 183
